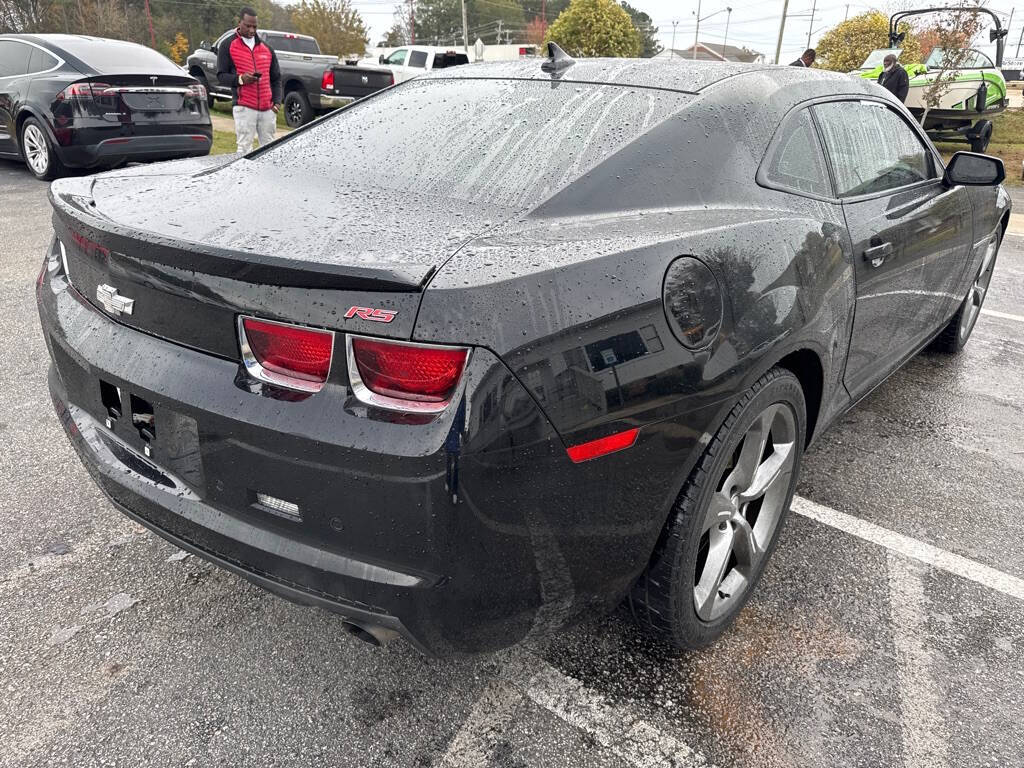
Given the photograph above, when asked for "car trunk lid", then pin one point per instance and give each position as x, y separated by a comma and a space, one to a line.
132, 100
194, 251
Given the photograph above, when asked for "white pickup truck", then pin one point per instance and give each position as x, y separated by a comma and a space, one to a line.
363, 78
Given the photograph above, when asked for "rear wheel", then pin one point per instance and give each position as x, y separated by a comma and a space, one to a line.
38, 152
726, 519
297, 111
956, 333
981, 136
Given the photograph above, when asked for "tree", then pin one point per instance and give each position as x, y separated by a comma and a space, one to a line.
536, 32
178, 50
646, 29
335, 24
595, 28
844, 47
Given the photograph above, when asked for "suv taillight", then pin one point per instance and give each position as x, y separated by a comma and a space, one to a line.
291, 356
402, 376
83, 92
327, 81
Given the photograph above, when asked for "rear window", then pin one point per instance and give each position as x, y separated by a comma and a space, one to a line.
442, 60
506, 142
117, 57
293, 44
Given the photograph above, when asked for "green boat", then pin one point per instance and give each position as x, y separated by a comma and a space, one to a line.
977, 92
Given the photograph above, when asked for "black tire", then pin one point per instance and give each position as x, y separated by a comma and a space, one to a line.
297, 111
955, 335
664, 599
979, 142
37, 151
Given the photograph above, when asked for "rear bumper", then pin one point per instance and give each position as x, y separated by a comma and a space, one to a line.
464, 534
114, 149
330, 101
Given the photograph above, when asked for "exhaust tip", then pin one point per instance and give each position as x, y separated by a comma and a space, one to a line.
371, 633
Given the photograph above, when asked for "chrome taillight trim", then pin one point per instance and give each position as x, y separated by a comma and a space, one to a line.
367, 396
257, 371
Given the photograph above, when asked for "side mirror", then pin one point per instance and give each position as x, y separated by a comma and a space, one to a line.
380, 59
974, 170
213, 47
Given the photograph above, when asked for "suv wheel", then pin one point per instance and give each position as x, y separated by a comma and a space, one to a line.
954, 336
37, 151
297, 111
726, 520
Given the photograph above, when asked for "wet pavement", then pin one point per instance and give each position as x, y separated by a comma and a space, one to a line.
115, 650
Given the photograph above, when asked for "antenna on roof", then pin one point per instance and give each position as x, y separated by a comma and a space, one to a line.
557, 59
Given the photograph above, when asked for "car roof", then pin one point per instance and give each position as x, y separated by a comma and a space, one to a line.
283, 34
685, 76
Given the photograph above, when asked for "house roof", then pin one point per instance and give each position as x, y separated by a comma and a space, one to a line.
716, 52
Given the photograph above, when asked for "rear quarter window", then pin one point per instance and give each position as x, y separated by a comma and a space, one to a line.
796, 161
418, 59
41, 61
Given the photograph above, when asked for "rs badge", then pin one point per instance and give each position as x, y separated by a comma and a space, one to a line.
369, 313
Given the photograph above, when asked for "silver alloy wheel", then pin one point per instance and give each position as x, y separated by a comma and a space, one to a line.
37, 152
744, 512
976, 297
294, 112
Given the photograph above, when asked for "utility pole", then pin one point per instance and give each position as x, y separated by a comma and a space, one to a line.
847, 14
728, 15
465, 29
149, 18
412, 23
499, 32
672, 50
696, 34
810, 27
782, 28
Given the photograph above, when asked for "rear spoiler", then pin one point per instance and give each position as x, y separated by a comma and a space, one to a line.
74, 209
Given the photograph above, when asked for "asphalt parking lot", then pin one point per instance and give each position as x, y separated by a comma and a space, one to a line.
888, 629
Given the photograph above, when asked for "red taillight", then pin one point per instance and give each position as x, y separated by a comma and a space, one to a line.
289, 355
392, 79
414, 377
83, 92
610, 444
197, 91
327, 81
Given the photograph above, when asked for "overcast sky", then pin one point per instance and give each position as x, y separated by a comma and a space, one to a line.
754, 24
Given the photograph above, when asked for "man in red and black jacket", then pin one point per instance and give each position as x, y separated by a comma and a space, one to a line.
249, 66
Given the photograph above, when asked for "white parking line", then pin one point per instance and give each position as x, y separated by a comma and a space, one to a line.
613, 726
1003, 315
922, 723
912, 548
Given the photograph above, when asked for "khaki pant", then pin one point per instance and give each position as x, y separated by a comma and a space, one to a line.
249, 123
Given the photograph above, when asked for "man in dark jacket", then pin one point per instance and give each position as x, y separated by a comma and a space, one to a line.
894, 78
806, 58
249, 67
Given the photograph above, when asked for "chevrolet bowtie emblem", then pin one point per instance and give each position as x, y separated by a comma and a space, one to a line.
112, 301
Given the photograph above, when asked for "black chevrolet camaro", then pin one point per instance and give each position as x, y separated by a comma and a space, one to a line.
508, 343
71, 101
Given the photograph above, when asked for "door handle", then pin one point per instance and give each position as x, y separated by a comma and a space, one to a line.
877, 254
